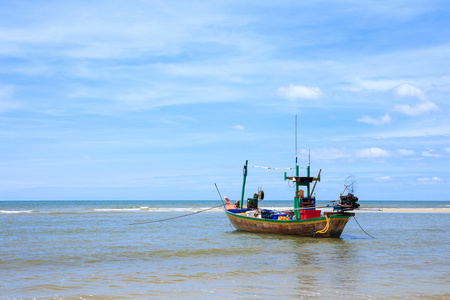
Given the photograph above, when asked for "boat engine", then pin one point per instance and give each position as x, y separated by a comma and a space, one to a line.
348, 202
252, 203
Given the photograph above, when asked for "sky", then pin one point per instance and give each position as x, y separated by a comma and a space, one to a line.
159, 100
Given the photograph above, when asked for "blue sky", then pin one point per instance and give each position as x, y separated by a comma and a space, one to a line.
160, 99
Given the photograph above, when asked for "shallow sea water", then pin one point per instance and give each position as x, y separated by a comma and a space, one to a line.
88, 250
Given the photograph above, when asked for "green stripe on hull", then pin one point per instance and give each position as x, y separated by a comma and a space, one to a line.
312, 220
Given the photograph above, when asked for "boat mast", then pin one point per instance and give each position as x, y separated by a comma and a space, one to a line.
296, 158
302, 181
308, 172
297, 199
243, 183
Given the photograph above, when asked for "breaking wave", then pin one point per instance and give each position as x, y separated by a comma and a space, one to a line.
15, 211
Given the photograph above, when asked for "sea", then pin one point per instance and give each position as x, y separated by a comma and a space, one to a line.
189, 250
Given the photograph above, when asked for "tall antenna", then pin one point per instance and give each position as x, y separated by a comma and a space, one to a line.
296, 160
309, 157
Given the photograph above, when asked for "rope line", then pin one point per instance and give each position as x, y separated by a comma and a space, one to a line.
271, 168
363, 229
162, 220
326, 226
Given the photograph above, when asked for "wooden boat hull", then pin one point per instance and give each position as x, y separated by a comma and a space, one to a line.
308, 227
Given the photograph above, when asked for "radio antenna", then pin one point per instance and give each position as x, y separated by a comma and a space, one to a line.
296, 158
309, 157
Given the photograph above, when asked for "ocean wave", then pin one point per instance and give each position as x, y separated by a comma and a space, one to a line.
157, 209
177, 209
116, 209
15, 211
140, 209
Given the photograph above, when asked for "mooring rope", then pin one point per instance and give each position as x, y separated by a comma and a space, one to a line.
363, 229
271, 168
327, 226
162, 220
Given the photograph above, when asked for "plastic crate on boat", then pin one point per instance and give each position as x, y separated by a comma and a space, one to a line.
309, 213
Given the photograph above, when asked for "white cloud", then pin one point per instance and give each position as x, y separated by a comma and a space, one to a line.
137, 96
344, 153
384, 178
408, 90
328, 153
386, 119
440, 130
405, 152
373, 152
417, 110
426, 180
430, 153
296, 92
376, 85
238, 127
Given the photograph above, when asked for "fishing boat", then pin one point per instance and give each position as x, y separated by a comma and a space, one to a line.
303, 220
